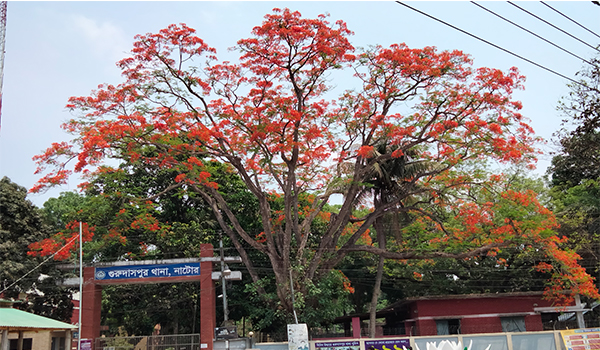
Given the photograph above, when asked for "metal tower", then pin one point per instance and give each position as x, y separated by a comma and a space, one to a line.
2, 42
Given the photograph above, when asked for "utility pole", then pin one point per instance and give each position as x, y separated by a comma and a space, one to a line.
579, 314
224, 272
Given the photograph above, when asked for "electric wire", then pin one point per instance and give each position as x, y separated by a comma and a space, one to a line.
443, 23
499, 47
42, 263
553, 26
532, 33
567, 17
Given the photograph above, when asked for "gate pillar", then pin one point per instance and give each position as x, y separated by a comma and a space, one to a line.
90, 303
208, 318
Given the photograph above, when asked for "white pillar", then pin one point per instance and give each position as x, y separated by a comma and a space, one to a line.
579, 314
20, 341
4, 342
68, 341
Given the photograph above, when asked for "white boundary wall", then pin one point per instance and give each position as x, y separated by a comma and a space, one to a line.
548, 340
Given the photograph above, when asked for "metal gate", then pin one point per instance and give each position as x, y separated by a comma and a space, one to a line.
155, 342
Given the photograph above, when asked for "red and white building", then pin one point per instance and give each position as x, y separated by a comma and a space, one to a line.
465, 314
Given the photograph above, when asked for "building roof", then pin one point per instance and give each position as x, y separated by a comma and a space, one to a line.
13, 319
463, 296
478, 295
394, 307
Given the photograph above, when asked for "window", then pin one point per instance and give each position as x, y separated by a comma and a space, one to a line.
58, 343
397, 329
513, 324
449, 326
26, 344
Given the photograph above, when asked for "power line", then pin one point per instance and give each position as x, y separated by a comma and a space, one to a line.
553, 26
42, 263
530, 32
567, 17
498, 47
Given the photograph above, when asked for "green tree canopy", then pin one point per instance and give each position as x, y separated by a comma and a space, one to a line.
22, 224
578, 157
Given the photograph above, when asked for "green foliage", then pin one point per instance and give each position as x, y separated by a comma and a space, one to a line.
575, 170
120, 342
21, 224
138, 308
577, 208
579, 156
58, 212
327, 298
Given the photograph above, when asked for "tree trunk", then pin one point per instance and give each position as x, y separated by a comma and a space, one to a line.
376, 291
377, 288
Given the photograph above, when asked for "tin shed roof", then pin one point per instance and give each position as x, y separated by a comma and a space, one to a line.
13, 319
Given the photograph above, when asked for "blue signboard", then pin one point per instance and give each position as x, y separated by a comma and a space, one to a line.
147, 271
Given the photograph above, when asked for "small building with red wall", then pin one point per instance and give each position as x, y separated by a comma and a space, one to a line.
464, 314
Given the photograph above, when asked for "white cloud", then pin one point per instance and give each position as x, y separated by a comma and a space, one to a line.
104, 38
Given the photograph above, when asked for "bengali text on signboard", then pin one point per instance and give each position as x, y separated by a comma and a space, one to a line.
345, 345
86, 344
581, 339
388, 344
147, 271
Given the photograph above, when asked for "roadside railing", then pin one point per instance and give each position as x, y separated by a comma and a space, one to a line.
156, 342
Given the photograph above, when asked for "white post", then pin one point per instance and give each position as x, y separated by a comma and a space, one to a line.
68, 340
225, 308
579, 314
4, 343
293, 299
20, 341
80, 285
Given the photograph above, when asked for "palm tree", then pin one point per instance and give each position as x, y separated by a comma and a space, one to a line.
389, 182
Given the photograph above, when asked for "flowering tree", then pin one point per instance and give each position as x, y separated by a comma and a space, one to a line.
267, 119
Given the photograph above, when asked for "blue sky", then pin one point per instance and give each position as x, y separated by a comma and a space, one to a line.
55, 50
